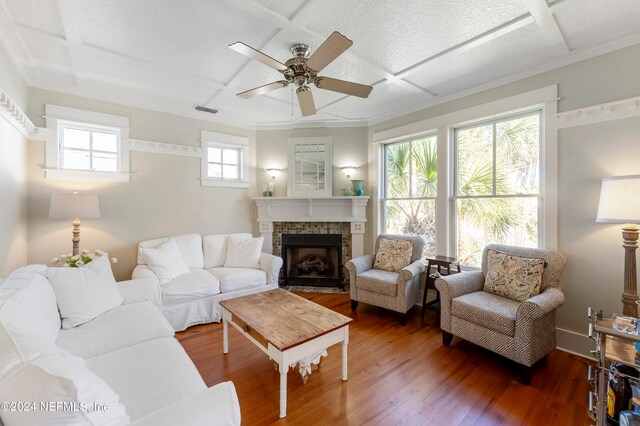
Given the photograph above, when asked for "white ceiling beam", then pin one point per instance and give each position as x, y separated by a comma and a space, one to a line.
87, 49
549, 28
297, 24
308, 12
479, 40
111, 80
71, 26
15, 46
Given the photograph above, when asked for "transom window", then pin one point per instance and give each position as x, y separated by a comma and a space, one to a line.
223, 160
224, 163
497, 185
411, 189
89, 148
86, 145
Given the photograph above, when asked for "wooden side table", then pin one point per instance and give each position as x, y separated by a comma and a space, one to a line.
441, 262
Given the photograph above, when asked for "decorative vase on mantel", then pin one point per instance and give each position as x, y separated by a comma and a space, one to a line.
358, 186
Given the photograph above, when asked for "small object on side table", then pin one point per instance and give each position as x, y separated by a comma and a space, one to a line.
440, 262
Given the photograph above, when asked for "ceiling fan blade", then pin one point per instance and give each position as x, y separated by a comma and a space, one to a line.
342, 86
252, 53
333, 46
261, 90
305, 99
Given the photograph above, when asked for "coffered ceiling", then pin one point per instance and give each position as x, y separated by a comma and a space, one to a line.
170, 55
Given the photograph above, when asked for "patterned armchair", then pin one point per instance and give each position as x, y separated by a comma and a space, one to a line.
397, 291
521, 331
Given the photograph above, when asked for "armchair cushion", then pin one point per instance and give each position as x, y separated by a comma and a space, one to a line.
393, 255
378, 281
488, 310
515, 277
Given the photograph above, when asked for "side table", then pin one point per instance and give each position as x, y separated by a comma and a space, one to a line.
440, 262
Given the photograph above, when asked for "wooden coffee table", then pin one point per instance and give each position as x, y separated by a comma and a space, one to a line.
287, 328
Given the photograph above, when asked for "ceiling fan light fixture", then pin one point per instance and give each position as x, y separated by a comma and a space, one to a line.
300, 50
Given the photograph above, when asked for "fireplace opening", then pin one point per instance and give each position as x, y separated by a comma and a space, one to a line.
312, 260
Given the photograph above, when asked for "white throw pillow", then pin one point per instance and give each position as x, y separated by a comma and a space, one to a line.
60, 386
243, 252
86, 292
32, 308
190, 246
165, 261
215, 250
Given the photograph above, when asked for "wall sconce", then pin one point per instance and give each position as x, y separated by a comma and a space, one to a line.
273, 172
348, 170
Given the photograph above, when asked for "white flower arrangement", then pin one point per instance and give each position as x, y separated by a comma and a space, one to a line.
85, 256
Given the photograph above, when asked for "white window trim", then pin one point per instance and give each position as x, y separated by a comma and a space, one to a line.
544, 99
453, 219
55, 115
222, 140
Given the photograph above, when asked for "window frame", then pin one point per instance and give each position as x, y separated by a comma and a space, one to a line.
224, 141
544, 98
384, 198
59, 117
65, 124
454, 175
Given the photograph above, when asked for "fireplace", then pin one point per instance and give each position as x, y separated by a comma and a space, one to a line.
312, 260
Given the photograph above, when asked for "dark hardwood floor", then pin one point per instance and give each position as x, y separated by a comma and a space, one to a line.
397, 376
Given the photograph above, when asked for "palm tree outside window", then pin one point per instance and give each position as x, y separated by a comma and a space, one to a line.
495, 187
411, 189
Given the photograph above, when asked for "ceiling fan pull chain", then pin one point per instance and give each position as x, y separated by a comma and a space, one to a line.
292, 101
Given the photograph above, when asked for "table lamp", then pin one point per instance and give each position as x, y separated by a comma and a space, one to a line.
74, 206
620, 203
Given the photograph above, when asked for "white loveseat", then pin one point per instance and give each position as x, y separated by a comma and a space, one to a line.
218, 269
122, 366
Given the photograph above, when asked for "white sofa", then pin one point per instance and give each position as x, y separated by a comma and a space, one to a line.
194, 297
125, 359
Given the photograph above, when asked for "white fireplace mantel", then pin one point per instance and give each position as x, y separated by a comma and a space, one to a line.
313, 209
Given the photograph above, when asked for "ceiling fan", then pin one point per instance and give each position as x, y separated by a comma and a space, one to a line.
303, 70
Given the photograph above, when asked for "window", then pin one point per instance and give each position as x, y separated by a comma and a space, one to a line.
86, 145
497, 185
224, 160
496, 177
224, 163
89, 148
411, 189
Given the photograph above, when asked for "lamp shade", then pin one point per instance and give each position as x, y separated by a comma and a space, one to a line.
619, 200
74, 206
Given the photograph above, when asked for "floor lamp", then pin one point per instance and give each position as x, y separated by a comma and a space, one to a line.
74, 206
620, 203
